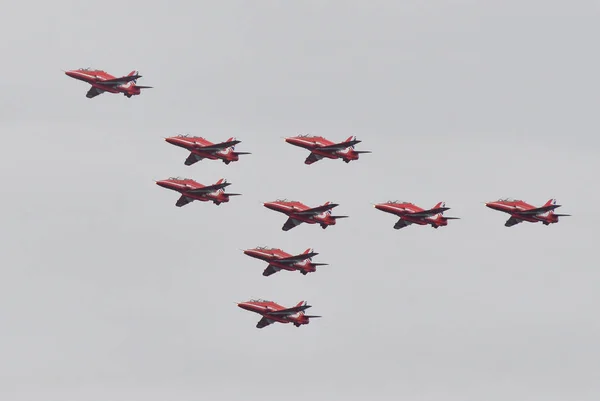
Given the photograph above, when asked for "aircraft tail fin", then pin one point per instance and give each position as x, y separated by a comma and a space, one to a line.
439, 205
134, 73
550, 202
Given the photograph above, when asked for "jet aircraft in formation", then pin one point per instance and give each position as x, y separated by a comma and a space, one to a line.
409, 214
323, 148
191, 190
272, 312
521, 211
102, 81
299, 213
281, 260
202, 148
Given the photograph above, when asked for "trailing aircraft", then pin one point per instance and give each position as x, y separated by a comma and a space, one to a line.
410, 213
191, 190
324, 148
272, 312
281, 260
521, 211
299, 213
102, 81
201, 148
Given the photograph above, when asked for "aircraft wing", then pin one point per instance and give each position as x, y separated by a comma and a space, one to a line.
339, 146
428, 213
270, 270
513, 221
219, 146
192, 158
317, 210
297, 258
119, 81
289, 311
183, 200
264, 322
290, 223
312, 158
209, 188
93, 92
537, 210
401, 224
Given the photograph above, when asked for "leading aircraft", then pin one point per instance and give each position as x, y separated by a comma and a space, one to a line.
202, 148
409, 214
102, 81
272, 312
323, 148
191, 190
281, 260
299, 213
521, 211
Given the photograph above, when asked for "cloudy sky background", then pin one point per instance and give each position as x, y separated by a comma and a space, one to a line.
109, 291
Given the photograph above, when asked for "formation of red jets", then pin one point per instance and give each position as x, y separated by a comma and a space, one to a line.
297, 212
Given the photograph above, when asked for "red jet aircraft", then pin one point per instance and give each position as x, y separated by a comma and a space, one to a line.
102, 81
320, 147
280, 260
191, 190
272, 312
299, 213
521, 211
201, 148
412, 214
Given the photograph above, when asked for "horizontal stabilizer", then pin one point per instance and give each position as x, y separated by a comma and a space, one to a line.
561, 215
339, 217
144, 87
451, 218
312, 316
320, 264
242, 153
362, 151
228, 194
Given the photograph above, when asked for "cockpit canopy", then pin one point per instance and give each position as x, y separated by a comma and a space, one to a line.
509, 200
259, 300
398, 202
265, 248
90, 69
189, 136
284, 200
177, 178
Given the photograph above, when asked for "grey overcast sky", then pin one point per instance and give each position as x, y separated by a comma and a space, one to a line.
110, 292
